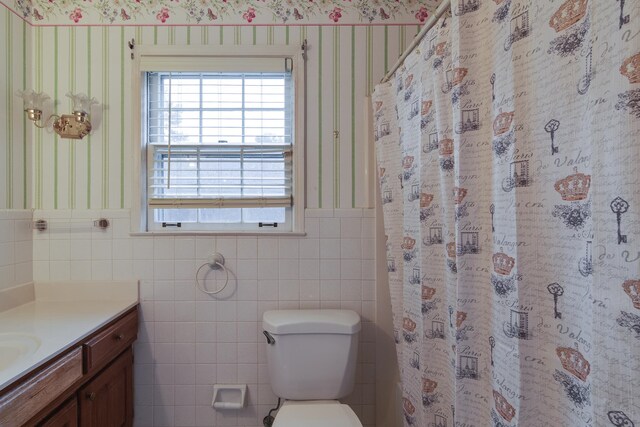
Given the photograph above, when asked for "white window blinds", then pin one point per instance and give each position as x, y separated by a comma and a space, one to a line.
219, 139
198, 176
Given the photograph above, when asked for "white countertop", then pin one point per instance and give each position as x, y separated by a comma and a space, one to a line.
61, 315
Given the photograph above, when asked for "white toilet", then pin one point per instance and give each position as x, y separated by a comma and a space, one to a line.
311, 356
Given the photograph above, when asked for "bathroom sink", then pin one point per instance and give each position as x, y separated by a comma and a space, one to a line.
14, 346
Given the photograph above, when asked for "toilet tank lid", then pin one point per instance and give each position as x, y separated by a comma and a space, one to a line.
281, 322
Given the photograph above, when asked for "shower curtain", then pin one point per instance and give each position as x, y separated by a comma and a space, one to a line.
508, 148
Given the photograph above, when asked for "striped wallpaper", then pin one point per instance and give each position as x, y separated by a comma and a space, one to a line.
15, 51
344, 63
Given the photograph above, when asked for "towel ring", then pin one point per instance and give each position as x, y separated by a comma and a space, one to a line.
216, 262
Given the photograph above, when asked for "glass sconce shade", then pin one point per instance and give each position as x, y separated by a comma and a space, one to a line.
81, 102
33, 100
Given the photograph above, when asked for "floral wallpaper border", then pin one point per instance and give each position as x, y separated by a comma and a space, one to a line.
223, 12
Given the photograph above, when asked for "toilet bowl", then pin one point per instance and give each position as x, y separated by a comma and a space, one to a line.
316, 413
311, 360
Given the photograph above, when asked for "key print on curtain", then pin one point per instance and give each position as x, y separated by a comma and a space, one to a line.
508, 152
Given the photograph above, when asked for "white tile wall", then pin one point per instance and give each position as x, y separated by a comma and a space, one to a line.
16, 252
188, 341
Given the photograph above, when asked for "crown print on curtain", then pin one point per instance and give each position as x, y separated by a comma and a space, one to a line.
514, 268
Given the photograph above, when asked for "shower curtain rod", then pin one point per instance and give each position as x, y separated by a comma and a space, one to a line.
444, 6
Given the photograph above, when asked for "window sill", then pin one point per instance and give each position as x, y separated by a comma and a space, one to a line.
217, 233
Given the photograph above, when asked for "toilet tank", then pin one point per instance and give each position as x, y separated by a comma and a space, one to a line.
313, 352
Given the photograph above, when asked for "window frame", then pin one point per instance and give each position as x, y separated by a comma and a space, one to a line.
200, 56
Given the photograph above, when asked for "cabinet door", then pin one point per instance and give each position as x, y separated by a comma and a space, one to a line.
107, 401
65, 416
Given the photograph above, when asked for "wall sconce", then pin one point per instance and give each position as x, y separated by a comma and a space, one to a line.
72, 126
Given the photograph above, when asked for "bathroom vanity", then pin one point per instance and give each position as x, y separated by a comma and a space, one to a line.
68, 363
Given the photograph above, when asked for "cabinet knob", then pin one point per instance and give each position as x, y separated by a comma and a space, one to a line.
91, 396
118, 337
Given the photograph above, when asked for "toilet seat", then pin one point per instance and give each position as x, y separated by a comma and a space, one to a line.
316, 413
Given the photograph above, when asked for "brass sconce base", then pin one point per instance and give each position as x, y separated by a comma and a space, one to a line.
33, 114
72, 126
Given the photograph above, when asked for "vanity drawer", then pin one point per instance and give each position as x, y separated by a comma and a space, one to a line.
111, 342
34, 394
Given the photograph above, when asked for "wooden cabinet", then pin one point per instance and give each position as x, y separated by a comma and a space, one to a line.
106, 401
65, 416
41, 389
90, 384
110, 342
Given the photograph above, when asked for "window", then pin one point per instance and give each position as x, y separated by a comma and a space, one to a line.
220, 146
